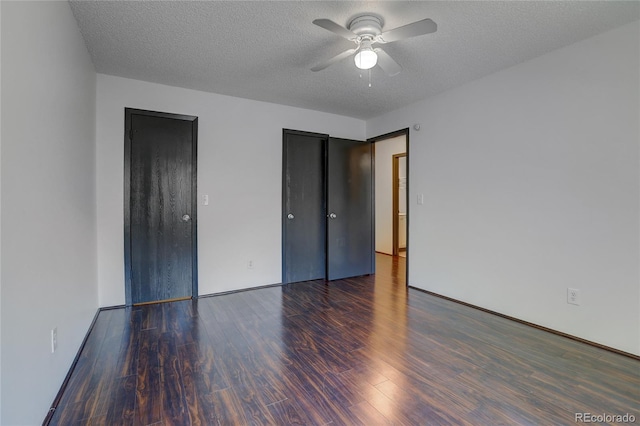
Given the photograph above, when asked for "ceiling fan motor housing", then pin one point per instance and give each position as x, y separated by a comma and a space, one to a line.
366, 25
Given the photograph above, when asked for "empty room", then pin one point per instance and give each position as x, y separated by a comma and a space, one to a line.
314, 212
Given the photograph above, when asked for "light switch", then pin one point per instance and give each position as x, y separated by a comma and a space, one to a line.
420, 199
205, 200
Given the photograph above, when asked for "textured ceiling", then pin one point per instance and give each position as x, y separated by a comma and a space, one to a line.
264, 50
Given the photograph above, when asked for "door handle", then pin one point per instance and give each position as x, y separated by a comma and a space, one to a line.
332, 215
186, 218
290, 216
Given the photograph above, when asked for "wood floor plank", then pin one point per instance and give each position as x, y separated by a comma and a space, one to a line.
195, 378
151, 316
121, 403
148, 407
174, 404
360, 351
128, 360
228, 408
252, 406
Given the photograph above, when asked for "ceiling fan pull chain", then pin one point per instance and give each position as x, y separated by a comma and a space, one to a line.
369, 77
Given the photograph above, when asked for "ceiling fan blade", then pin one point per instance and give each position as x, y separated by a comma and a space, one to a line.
333, 60
387, 63
329, 25
426, 26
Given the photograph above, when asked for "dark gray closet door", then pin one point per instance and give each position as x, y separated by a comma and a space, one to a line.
304, 213
350, 249
160, 210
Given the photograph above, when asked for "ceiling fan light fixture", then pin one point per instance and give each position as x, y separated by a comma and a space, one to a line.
365, 30
366, 58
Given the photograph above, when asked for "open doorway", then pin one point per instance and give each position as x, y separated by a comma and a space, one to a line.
391, 182
399, 186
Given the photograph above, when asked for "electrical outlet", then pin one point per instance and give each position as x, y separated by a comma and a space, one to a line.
250, 264
573, 296
54, 339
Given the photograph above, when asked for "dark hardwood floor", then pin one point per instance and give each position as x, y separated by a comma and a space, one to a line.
362, 351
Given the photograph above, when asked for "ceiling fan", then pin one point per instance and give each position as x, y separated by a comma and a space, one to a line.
365, 31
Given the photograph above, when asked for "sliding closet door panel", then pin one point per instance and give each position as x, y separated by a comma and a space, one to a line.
304, 214
349, 208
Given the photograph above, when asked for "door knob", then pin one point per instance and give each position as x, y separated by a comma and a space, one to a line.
333, 215
290, 216
186, 218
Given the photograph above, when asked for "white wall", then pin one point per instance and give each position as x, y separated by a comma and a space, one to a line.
531, 184
48, 204
0, 217
239, 167
384, 190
